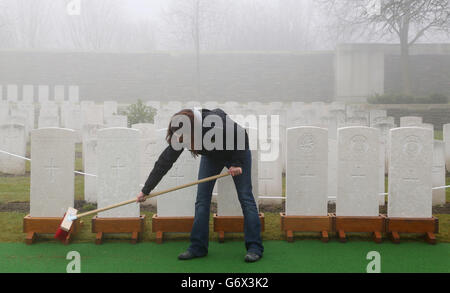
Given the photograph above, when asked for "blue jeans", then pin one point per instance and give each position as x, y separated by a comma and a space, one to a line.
252, 225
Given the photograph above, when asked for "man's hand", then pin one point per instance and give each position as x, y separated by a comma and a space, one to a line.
140, 197
234, 171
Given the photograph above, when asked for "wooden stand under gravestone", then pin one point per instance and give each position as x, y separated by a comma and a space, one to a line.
135, 226
374, 225
161, 225
33, 226
232, 224
429, 226
291, 224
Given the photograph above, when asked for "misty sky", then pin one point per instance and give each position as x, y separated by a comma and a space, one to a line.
146, 25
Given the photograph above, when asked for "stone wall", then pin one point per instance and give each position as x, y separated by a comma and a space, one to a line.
428, 74
363, 70
351, 74
164, 76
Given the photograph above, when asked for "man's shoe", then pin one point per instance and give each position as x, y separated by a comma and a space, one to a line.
252, 257
187, 255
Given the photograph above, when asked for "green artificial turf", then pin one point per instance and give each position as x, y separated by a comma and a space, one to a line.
279, 256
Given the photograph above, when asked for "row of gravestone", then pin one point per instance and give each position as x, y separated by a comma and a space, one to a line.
118, 178
270, 175
88, 115
39, 93
66, 115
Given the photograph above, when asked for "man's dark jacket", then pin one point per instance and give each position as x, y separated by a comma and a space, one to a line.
233, 157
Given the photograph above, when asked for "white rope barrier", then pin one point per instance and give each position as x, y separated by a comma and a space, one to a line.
263, 197
28, 159
334, 197
17, 156
76, 172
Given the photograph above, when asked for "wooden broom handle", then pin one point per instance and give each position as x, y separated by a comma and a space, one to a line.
153, 194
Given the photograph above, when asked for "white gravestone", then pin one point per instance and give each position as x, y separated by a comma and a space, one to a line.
148, 151
180, 203
377, 116
52, 176
4, 112
357, 110
357, 121
28, 94
48, 115
48, 121
109, 108
116, 121
295, 115
12, 93
59, 93
162, 118
446, 131
438, 172
74, 94
192, 104
154, 104
19, 116
12, 140
91, 114
410, 172
307, 171
211, 105
71, 118
118, 170
358, 156
232, 108
426, 125
43, 93
49, 109
408, 121
90, 148
26, 110
270, 169
227, 198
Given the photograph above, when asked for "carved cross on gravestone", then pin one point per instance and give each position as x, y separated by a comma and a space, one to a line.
51, 169
116, 168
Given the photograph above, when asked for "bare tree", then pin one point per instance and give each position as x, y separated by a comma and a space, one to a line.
93, 28
408, 20
24, 23
190, 20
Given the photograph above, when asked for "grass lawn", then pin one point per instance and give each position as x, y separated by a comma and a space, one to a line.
279, 256
306, 254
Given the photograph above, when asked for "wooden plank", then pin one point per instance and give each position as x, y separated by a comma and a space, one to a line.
233, 224
306, 223
172, 224
117, 225
360, 224
412, 225
41, 225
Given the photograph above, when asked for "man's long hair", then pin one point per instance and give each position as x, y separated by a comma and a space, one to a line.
171, 129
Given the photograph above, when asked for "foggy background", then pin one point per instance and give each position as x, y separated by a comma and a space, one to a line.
143, 25
289, 50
